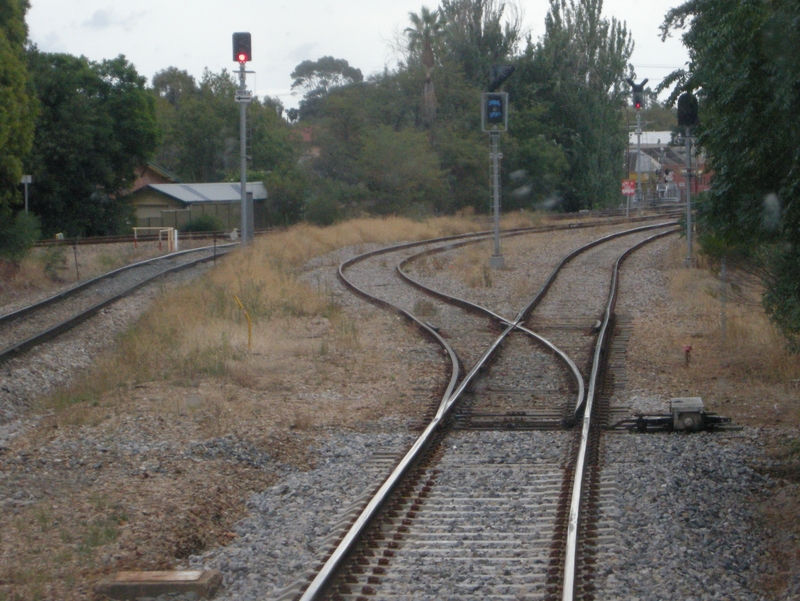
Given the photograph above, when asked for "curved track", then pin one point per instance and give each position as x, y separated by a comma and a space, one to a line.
480, 504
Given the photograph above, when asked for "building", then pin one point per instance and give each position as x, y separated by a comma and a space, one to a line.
174, 205
662, 164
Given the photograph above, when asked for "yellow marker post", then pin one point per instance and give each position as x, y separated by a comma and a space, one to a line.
249, 324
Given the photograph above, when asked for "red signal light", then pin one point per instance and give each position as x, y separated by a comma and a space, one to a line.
242, 49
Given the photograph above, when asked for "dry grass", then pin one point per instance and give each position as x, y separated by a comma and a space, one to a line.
749, 345
48, 269
742, 370
200, 331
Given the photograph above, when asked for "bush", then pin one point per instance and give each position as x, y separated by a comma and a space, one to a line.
204, 223
322, 210
17, 234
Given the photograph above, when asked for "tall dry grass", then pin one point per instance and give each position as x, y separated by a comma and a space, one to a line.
199, 330
734, 323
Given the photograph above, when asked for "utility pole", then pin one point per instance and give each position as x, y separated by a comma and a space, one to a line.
242, 53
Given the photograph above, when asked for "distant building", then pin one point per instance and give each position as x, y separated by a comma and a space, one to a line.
149, 173
173, 205
663, 166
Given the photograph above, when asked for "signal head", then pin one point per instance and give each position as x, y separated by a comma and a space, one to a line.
242, 52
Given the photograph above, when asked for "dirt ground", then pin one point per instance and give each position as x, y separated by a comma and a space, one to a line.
157, 471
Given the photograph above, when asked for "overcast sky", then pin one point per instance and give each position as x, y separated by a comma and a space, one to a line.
194, 34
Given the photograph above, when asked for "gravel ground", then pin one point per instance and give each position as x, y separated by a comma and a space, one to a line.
696, 514
686, 509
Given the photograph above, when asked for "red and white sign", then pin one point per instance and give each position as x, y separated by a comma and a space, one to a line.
629, 187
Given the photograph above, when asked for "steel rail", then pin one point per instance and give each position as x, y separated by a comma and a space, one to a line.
525, 313
27, 344
449, 399
571, 548
8, 317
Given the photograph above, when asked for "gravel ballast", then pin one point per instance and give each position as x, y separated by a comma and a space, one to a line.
686, 509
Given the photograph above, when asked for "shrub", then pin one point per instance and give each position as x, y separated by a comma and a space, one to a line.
204, 223
17, 234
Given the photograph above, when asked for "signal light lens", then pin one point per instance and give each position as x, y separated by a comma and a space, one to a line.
242, 57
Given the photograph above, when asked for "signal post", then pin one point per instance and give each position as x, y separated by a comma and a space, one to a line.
242, 54
494, 119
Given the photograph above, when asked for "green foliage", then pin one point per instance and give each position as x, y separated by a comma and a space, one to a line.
321, 75
744, 68
322, 210
18, 233
17, 106
287, 192
53, 260
204, 223
480, 33
97, 122
400, 170
573, 79
201, 131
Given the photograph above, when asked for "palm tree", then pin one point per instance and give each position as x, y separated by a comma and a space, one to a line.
423, 38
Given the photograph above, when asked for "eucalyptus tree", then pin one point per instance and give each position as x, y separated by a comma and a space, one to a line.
317, 78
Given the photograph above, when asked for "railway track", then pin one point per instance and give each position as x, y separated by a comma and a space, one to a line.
35, 324
482, 504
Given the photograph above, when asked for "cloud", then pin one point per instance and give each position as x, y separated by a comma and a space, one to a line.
101, 19
302, 52
108, 18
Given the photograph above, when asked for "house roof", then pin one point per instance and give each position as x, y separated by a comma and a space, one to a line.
161, 171
195, 193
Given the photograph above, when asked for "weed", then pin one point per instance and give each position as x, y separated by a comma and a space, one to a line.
100, 532
53, 260
487, 277
424, 308
42, 517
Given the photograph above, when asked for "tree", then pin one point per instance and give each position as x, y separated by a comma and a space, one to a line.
400, 171
423, 37
97, 123
744, 67
173, 84
480, 33
17, 105
575, 74
317, 78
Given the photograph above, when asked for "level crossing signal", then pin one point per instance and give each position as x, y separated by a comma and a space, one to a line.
242, 52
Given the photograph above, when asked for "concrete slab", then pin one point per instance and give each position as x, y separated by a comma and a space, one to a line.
128, 586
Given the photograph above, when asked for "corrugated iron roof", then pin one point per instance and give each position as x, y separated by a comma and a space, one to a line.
224, 192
